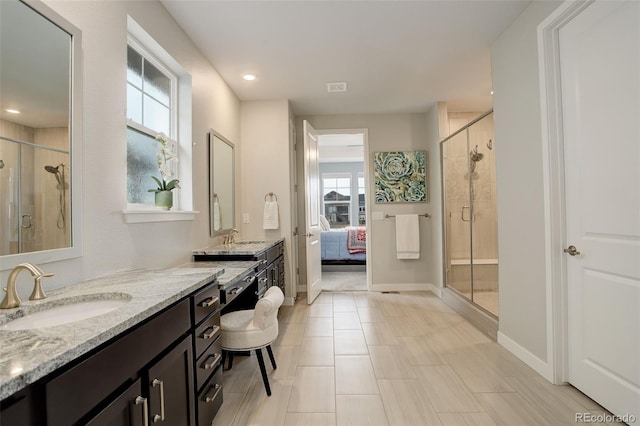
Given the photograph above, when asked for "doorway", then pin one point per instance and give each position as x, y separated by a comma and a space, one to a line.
341, 156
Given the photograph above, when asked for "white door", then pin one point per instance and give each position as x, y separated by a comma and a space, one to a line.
312, 191
600, 79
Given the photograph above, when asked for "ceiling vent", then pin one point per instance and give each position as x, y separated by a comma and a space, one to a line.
336, 87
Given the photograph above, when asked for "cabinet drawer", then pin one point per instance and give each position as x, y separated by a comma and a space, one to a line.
210, 399
207, 333
274, 252
262, 261
205, 302
208, 362
233, 290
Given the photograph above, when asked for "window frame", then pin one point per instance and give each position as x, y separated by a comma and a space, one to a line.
180, 128
338, 175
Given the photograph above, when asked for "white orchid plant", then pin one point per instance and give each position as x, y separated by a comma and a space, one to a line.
165, 156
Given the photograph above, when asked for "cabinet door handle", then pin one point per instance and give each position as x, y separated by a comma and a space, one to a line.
215, 358
210, 332
145, 409
209, 302
213, 393
160, 383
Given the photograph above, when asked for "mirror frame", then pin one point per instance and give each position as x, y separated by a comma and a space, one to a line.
75, 152
212, 134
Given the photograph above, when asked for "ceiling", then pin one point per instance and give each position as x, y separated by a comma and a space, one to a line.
395, 56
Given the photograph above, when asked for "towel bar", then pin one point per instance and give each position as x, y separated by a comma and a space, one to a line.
270, 194
389, 216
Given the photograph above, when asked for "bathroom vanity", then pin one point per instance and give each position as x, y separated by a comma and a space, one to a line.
156, 357
270, 270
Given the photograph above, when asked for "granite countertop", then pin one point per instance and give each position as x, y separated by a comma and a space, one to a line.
239, 247
233, 269
28, 355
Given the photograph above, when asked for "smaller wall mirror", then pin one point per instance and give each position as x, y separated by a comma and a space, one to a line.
221, 184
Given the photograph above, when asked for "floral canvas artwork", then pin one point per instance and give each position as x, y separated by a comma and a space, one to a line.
400, 176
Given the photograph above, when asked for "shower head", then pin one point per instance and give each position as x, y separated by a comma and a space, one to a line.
55, 170
475, 155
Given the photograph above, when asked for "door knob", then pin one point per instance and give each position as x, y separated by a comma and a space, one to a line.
572, 250
307, 235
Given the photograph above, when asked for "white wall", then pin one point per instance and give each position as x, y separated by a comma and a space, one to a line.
264, 160
521, 228
390, 132
109, 243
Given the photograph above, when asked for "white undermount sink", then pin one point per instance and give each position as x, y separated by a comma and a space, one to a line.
68, 312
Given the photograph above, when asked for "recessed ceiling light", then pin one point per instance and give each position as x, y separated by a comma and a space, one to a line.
249, 77
12, 111
492, 92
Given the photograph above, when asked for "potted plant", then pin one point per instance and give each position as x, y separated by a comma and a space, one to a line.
164, 196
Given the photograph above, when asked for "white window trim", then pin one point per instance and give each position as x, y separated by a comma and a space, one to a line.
136, 213
338, 175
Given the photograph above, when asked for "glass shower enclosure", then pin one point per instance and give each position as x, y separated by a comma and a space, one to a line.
470, 213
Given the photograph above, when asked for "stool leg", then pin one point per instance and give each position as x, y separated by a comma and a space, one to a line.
273, 360
230, 360
224, 358
263, 371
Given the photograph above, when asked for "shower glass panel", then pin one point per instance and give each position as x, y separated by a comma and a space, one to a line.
469, 189
35, 197
457, 214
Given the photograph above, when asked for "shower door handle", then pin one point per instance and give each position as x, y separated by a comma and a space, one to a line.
462, 213
26, 224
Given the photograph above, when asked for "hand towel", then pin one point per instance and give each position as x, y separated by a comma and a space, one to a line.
216, 215
407, 236
270, 217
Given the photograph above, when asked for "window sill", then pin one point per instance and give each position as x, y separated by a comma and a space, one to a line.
144, 216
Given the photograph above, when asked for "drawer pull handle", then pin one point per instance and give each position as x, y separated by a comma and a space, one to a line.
235, 290
160, 383
210, 332
263, 280
215, 358
249, 279
215, 390
263, 262
209, 302
145, 405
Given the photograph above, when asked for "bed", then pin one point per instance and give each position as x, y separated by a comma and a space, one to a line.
344, 246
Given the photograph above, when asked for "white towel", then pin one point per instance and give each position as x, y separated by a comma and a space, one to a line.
407, 236
270, 218
216, 215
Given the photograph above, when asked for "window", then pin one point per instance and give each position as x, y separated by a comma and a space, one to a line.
336, 197
159, 99
362, 217
151, 101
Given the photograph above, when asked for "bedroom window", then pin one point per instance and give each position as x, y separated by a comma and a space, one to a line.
336, 198
362, 217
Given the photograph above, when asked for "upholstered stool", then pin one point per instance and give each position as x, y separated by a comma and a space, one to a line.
253, 329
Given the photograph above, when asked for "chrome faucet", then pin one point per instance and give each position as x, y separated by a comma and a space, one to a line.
230, 238
11, 299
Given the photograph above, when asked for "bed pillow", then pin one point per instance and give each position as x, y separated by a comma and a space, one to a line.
324, 223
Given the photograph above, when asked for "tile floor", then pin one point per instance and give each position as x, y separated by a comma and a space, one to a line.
358, 358
344, 280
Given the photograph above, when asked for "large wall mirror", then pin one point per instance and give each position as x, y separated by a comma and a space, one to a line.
40, 127
222, 184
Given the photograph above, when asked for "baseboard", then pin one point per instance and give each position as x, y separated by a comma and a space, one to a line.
541, 367
407, 287
288, 301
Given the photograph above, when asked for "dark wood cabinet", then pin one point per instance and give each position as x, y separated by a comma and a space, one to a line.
143, 376
129, 408
170, 383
